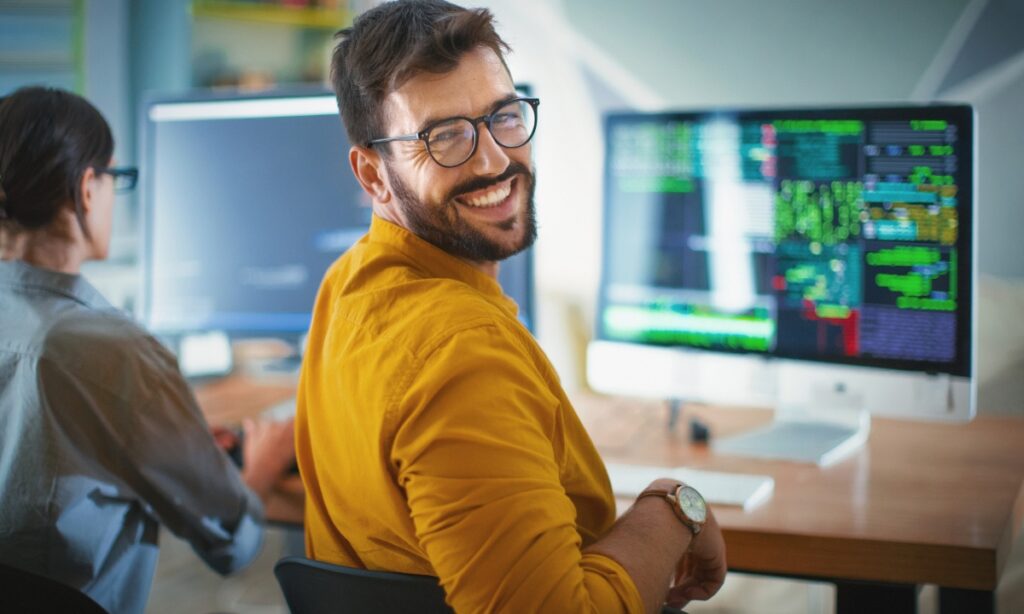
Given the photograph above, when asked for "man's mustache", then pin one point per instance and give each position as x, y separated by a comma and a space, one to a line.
482, 183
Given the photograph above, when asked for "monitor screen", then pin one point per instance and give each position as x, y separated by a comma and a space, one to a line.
248, 201
828, 235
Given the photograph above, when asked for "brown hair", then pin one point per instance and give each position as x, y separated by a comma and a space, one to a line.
48, 138
388, 45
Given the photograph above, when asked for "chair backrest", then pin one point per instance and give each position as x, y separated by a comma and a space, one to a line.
313, 587
28, 593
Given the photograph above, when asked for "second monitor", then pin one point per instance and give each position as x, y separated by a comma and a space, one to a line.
248, 200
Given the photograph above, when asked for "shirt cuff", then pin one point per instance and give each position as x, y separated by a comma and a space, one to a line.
245, 542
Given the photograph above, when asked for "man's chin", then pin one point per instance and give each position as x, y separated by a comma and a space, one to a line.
508, 235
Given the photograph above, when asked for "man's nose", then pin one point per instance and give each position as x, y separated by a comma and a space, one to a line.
490, 158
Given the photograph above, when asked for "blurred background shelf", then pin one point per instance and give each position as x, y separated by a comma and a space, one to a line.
325, 17
258, 45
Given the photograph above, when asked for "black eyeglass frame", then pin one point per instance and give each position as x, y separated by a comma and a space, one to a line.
488, 118
131, 172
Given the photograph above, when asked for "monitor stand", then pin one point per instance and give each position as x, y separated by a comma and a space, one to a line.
821, 437
822, 415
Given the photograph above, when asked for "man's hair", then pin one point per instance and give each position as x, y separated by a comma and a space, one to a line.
48, 138
388, 45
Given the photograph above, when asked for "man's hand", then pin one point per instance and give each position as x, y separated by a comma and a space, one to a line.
268, 450
701, 571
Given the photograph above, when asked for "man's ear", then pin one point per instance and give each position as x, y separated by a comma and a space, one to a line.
368, 168
85, 189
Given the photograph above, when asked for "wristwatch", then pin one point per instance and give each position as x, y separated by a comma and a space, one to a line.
686, 502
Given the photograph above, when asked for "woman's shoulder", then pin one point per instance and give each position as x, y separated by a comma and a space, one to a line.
105, 343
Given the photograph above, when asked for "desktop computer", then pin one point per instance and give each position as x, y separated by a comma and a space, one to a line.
247, 200
818, 261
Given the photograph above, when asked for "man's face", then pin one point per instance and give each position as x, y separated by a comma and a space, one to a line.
483, 209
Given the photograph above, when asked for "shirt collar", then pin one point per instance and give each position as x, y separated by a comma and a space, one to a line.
439, 263
73, 286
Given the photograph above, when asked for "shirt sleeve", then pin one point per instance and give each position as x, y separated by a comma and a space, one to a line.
137, 418
477, 454
192, 487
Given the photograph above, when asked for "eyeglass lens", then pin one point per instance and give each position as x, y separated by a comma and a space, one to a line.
124, 182
452, 142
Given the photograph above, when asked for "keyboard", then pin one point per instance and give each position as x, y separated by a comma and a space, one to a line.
745, 490
280, 411
821, 443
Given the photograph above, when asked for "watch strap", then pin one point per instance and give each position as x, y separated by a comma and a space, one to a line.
672, 497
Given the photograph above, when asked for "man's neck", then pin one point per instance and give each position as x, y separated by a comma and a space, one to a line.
490, 267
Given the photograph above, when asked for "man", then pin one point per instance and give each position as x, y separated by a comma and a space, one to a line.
432, 434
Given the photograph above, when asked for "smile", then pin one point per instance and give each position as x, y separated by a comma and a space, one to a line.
488, 198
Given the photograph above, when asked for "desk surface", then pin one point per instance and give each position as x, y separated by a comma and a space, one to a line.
921, 503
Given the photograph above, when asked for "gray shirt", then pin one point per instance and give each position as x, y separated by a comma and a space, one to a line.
100, 441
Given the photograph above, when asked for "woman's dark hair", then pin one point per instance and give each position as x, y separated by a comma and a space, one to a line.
48, 138
391, 43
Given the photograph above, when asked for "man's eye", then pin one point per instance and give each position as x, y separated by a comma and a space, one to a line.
449, 133
508, 119
444, 136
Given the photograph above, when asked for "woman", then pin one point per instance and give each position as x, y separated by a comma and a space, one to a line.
101, 439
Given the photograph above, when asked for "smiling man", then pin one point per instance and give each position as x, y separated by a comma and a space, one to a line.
477, 192
432, 433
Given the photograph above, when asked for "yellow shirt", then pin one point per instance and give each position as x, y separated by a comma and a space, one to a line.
433, 437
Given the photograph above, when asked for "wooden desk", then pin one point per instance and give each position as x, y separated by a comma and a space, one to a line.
227, 402
922, 503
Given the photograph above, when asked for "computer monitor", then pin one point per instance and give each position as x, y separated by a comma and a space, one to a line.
807, 259
248, 199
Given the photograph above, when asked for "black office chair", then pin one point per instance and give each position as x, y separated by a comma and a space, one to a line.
27, 593
313, 587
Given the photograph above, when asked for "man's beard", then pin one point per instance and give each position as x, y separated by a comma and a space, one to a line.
441, 225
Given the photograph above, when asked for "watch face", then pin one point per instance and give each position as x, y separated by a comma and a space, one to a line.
692, 504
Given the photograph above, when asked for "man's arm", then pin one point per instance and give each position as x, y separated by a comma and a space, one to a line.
650, 543
478, 454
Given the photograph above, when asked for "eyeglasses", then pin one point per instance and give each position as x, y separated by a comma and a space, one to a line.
125, 177
452, 141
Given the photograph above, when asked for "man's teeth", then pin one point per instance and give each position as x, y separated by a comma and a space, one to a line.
490, 199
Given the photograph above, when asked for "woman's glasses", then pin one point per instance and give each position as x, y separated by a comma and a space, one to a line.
125, 177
